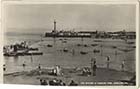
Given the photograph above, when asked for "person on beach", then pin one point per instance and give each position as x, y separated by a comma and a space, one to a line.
15, 48
43, 82
54, 72
122, 65
24, 65
72, 83
39, 66
108, 61
4, 67
39, 69
61, 83
93, 66
57, 71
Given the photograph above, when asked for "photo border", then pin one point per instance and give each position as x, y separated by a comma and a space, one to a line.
78, 2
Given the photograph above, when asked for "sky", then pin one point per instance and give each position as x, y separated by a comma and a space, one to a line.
91, 17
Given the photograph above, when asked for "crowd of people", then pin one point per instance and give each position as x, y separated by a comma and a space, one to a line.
57, 82
93, 69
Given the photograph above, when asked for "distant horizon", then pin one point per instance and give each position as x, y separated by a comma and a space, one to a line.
43, 32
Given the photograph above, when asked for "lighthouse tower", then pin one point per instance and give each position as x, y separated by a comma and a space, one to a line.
54, 26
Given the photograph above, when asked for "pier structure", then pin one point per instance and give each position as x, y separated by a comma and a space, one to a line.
90, 34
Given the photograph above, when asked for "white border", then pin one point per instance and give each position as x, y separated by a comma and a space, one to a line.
82, 2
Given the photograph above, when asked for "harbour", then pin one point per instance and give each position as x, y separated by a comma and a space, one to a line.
56, 55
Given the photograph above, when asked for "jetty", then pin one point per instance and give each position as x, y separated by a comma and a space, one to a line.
21, 49
90, 34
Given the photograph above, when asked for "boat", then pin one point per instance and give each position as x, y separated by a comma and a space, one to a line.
96, 51
79, 44
49, 45
97, 40
20, 50
23, 53
33, 49
65, 50
10, 54
114, 47
85, 45
130, 42
83, 53
34, 53
94, 45
64, 41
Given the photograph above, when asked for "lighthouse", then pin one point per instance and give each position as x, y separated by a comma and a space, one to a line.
54, 26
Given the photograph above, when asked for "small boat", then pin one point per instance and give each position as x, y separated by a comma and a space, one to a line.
114, 47
49, 45
96, 51
83, 53
34, 53
130, 42
65, 50
85, 45
79, 45
22, 53
133, 46
60, 39
64, 41
94, 45
97, 40
33, 49
10, 54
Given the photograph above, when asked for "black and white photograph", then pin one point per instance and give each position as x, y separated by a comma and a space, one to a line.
70, 44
